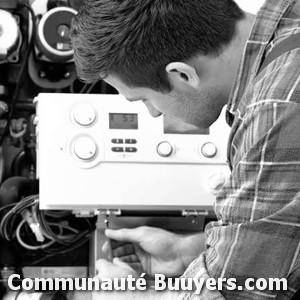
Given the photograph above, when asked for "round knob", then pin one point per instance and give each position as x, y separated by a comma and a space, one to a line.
52, 37
164, 149
209, 150
84, 148
84, 114
9, 32
216, 182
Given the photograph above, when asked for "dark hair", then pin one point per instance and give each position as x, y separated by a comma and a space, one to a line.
136, 39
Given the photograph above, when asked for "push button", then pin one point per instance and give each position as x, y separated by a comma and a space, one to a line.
117, 149
117, 141
131, 149
130, 141
164, 149
209, 150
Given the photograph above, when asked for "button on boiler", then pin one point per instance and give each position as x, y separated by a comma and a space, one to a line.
209, 150
84, 147
130, 149
84, 114
130, 141
117, 149
164, 149
117, 141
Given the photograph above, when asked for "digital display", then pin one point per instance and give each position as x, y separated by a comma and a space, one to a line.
123, 121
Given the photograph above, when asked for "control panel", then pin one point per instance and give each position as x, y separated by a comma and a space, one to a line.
102, 152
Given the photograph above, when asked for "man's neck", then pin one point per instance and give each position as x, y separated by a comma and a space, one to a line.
232, 55
243, 32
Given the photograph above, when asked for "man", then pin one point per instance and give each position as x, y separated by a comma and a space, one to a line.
187, 59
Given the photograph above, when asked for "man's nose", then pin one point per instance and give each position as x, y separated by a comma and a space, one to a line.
152, 110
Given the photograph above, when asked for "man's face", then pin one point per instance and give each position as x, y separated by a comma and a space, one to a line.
197, 107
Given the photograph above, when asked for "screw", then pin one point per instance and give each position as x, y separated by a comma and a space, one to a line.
67, 75
42, 74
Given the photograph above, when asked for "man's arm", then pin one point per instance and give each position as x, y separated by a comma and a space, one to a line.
259, 229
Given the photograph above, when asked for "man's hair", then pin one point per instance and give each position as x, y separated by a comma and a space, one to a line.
136, 39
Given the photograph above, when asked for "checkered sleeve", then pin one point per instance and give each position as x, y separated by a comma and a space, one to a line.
258, 232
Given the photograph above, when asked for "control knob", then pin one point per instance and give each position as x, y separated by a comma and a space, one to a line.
164, 149
84, 114
84, 148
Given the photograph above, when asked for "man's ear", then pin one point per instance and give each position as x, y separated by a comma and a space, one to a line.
180, 73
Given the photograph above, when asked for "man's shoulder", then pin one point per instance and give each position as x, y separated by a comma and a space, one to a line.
278, 81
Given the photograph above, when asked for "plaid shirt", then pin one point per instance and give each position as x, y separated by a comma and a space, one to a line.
258, 232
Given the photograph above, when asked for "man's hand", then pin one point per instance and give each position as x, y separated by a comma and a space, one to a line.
116, 269
153, 250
